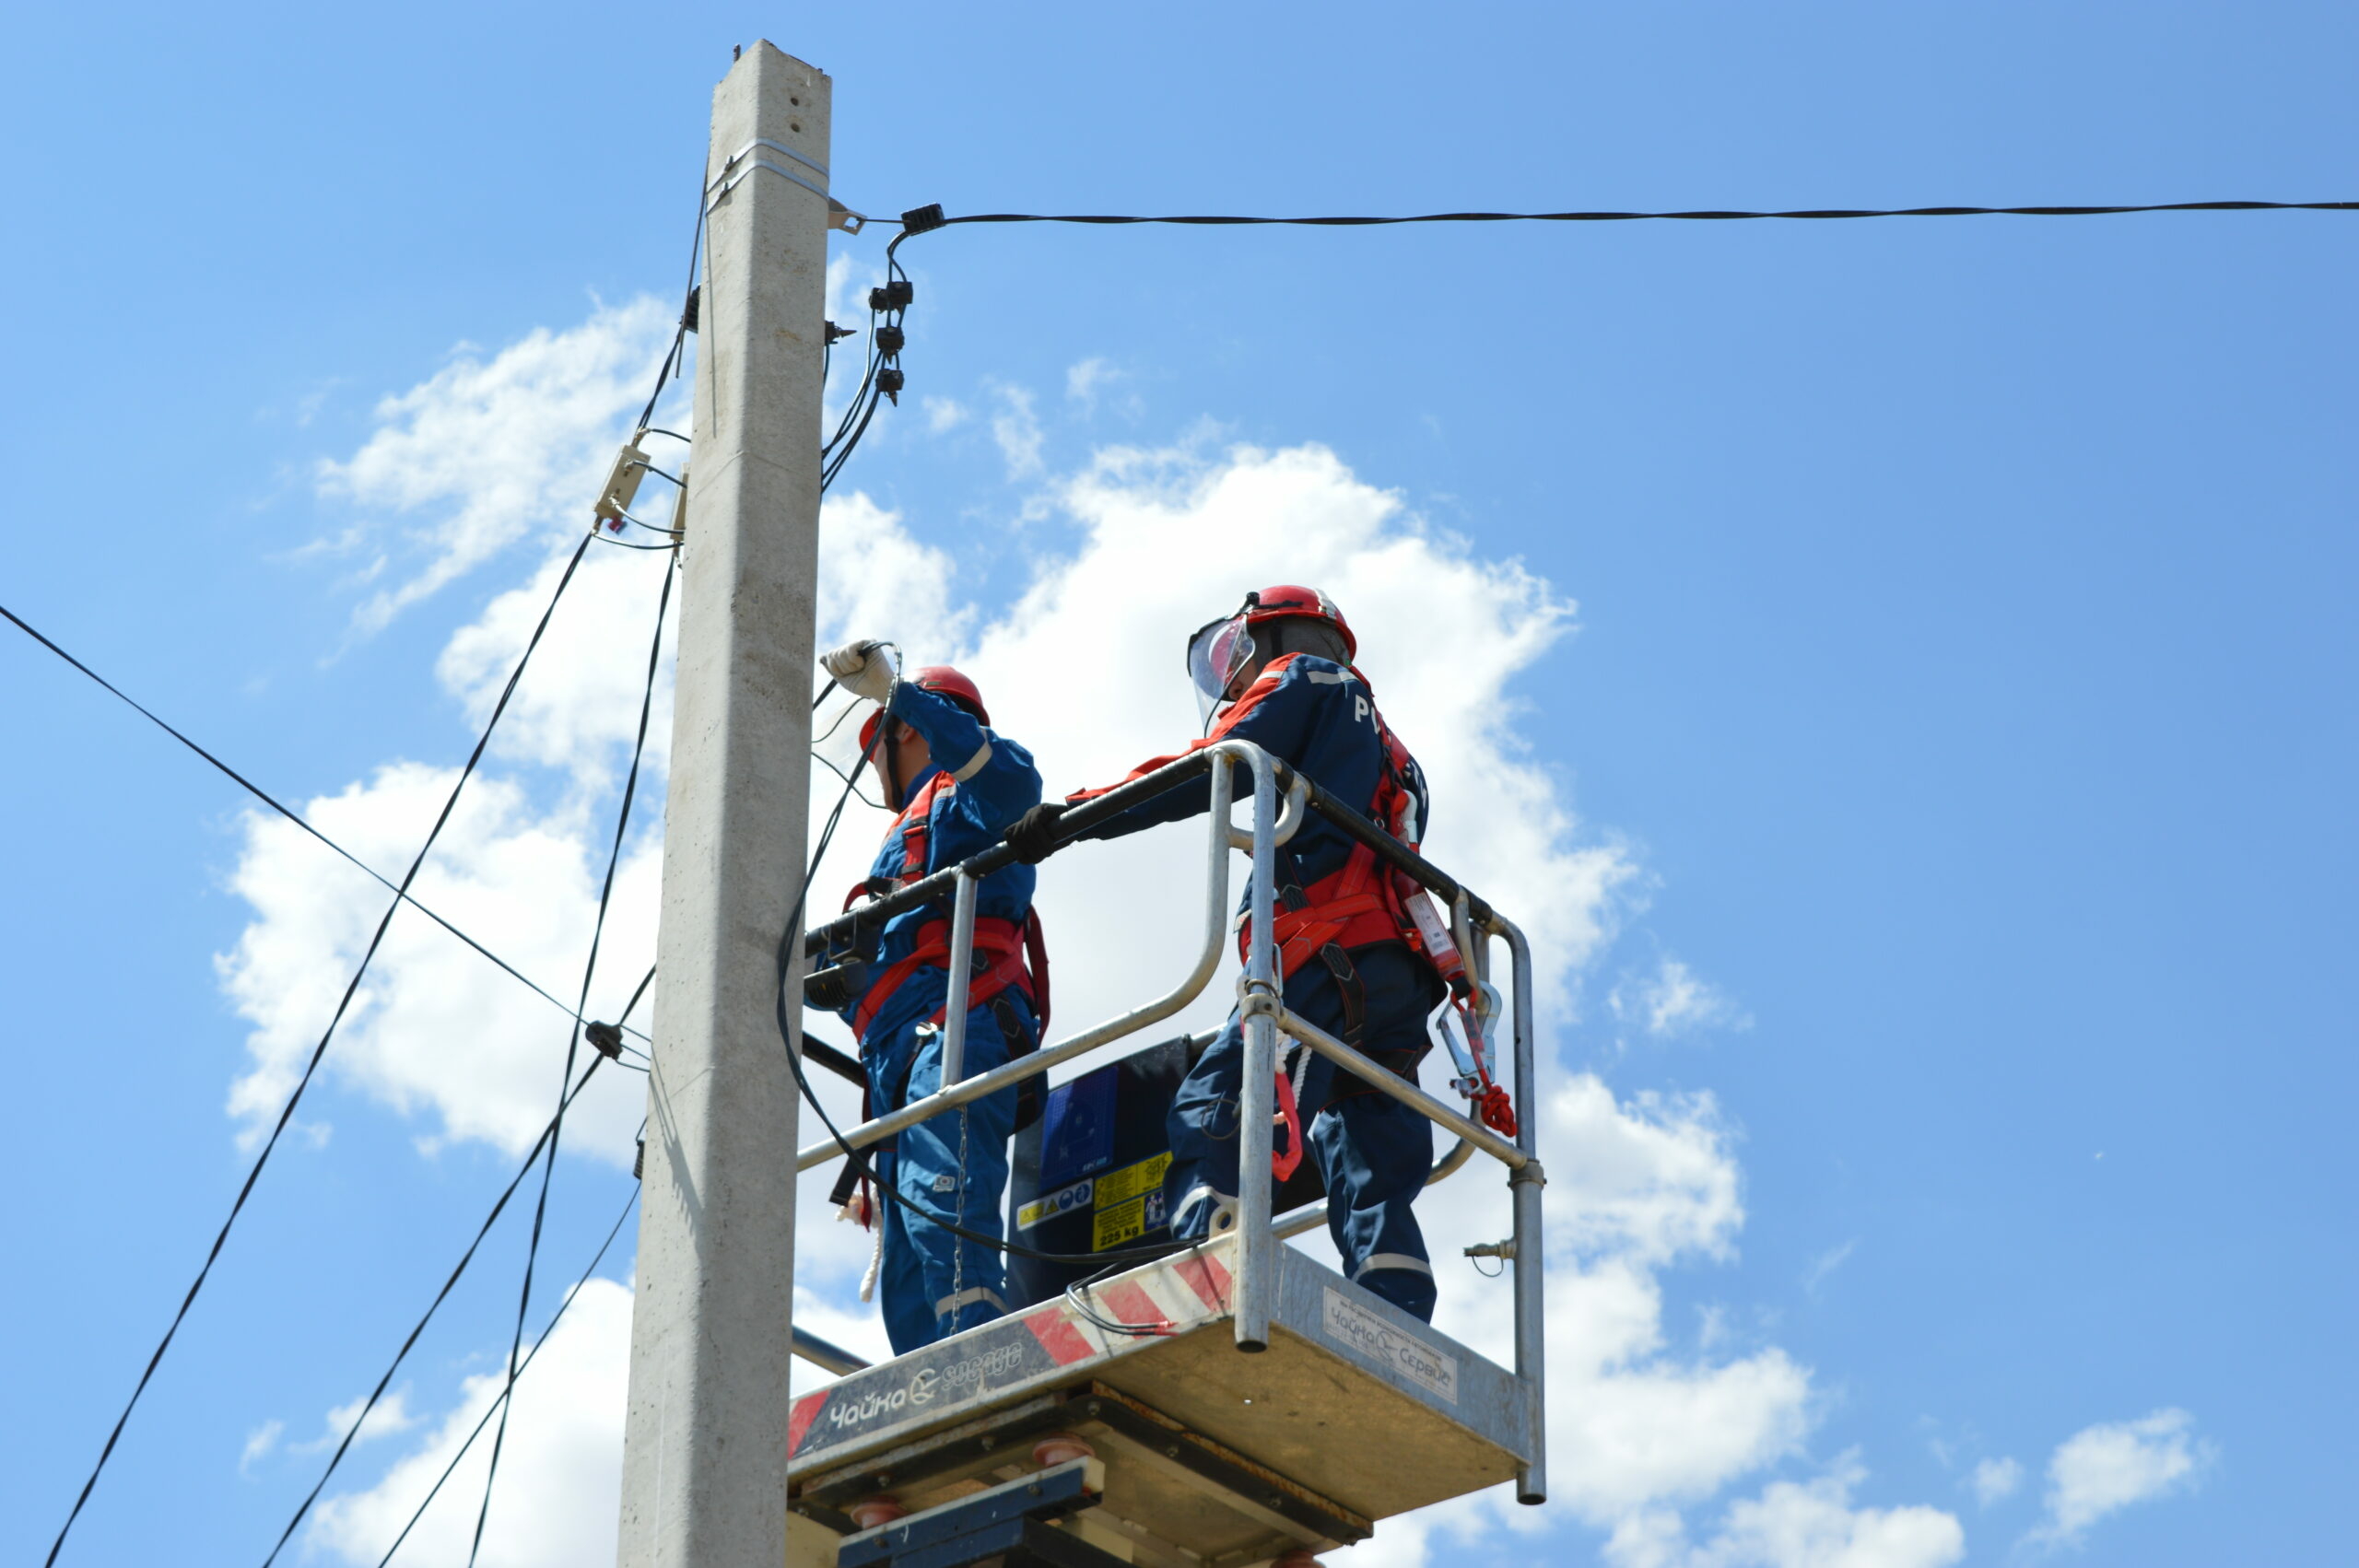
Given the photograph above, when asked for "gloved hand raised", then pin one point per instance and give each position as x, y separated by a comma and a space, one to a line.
862, 669
1034, 834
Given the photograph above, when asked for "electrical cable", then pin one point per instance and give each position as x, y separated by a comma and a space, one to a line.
867, 377
500, 1400
499, 1206
318, 1053
850, 709
572, 1048
259, 793
680, 333
925, 220
882, 378
821, 758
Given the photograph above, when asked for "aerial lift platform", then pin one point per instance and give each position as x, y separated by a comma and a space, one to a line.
1232, 1404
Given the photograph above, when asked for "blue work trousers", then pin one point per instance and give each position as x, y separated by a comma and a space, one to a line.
1374, 1152
951, 1167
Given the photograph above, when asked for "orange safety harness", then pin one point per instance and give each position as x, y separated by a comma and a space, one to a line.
1008, 954
1360, 905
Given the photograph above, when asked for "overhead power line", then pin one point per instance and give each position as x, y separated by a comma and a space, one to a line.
500, 1400
572, 1049
264, 796
499, 1206
318, 1053
920, 221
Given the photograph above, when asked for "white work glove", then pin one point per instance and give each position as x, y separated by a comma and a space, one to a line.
860, 668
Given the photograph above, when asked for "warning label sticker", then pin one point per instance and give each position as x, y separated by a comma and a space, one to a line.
1120, 1186
1356, 1327
1119, 1224
1048, 1205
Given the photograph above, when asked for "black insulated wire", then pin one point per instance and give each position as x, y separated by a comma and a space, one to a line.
674, 358
318, 1053
500, 1400
572, 1049
259, 793
924, 221
499, 1206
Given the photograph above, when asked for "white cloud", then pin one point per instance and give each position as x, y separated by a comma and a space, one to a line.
1825, 1263
1082, 669
485, 454
1085, 379
560, 1471
1673, 1000
577, 707
944, 413
259, 1442
435, 1026
2102, 1468
1797, 1524
1994, 1480
1017, 428
391, 1417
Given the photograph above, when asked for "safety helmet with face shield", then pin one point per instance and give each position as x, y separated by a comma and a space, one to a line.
1222, 650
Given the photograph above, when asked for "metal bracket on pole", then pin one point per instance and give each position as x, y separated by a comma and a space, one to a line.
839, 215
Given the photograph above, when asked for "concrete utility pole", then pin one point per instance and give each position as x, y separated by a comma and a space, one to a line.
704, 1463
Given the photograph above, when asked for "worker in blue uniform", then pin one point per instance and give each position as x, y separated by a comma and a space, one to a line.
955, 785
1279, 673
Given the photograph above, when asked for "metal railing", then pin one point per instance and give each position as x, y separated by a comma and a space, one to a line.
1282, 799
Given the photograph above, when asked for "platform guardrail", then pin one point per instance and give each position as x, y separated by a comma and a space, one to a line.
1282, 796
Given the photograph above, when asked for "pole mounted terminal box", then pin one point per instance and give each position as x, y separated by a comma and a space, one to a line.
622, 485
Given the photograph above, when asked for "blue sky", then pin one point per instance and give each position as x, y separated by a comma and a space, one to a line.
1938, 795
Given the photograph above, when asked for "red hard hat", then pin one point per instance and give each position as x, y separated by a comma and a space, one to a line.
936, 678
1220, 649
1286, 598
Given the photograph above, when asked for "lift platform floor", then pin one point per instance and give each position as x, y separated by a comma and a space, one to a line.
1214, 1458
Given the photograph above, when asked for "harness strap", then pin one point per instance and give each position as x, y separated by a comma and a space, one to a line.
1004, 941
1345, 910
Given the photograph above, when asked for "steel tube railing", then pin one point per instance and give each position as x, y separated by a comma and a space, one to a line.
1387, 1081
1264, 1016
1530, 1237
962, 977
826, 1354
1171, 1001
1258, 996
1077, 822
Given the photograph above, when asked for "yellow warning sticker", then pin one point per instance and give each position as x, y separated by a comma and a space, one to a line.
1054, 1204
1117, 1188
1116, 1225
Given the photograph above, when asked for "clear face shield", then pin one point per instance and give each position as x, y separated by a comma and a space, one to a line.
1216, 654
